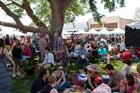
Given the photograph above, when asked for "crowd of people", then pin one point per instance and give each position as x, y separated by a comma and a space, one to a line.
53, 74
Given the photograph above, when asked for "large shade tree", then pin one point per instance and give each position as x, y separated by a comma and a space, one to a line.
52, 12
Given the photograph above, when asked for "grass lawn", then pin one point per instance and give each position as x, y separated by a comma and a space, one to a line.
24, 85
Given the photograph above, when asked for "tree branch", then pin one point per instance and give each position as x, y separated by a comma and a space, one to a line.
23, 28
18, 23
8, 4
13, 2
8, 24
11, 14
30, 13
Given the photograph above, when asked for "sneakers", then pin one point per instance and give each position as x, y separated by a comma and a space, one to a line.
18, 73
13, 75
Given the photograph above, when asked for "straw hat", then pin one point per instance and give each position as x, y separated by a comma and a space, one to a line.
93, 68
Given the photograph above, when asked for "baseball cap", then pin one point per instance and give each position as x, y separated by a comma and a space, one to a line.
98, 79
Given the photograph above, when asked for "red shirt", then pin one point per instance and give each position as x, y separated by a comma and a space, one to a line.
27, 51
126, 56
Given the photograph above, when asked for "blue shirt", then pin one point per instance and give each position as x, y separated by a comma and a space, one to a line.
82, 51
102, 51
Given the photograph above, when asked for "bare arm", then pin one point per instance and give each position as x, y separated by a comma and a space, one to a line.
64, 78
59, 81
89, 82
8, 55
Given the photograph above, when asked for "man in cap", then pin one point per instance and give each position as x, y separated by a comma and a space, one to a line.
101, 87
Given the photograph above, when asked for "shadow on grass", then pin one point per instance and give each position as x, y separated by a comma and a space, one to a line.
24, 85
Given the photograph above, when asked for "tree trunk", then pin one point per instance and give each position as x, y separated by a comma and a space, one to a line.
57, 21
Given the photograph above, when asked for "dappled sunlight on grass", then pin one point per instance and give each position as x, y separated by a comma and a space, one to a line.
24, 85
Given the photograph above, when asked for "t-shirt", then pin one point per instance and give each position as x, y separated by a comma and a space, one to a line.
126, 70
122, 46
118, 77
49, 59
103, 88
102, 51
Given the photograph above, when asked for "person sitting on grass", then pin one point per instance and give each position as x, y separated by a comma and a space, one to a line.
27, 53
61, 56
41, 80
126, 56
62, 84
50, 87
131, 86
102, 51
115, 78
94, 53
82, 59
101, 87
49, 58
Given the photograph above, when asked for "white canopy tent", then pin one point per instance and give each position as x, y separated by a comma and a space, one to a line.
104, 31
81, 32
93, 31
117, 31
134, 25
17, 33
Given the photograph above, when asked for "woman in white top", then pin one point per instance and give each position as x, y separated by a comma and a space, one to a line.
49, 58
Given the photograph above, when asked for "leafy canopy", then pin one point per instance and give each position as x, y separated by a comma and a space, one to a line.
42, 9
